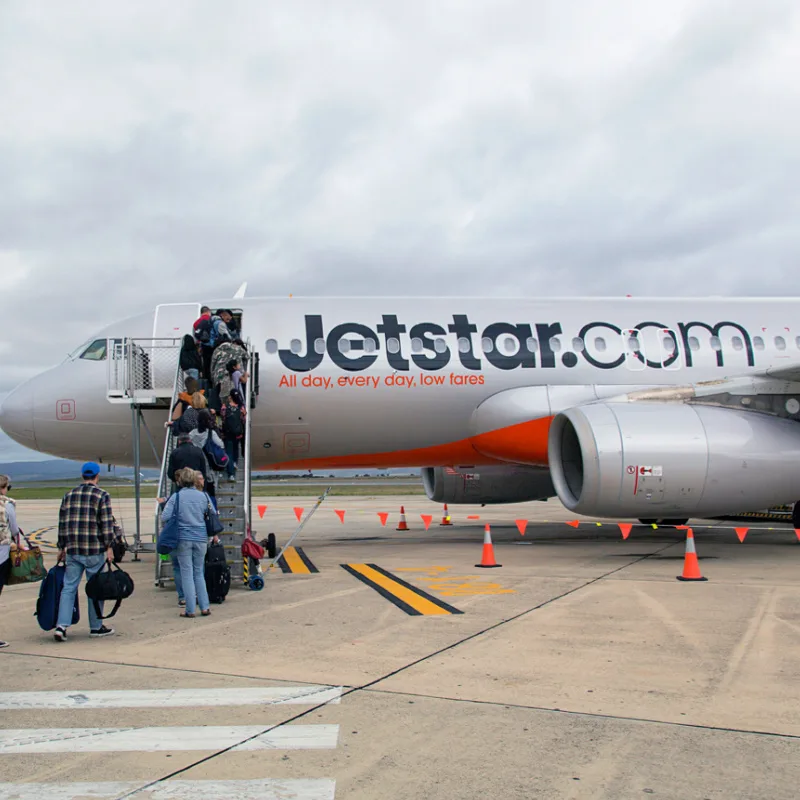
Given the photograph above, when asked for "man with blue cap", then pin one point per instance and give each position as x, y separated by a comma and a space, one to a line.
85, 534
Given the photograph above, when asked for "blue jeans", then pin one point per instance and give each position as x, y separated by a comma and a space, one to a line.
192, 560
76, 565
232, 449
176, 573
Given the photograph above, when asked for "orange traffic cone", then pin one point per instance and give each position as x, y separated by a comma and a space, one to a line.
691, 566
403, 525
487, 560
445, 517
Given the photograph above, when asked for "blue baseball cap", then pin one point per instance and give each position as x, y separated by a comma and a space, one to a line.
90, 470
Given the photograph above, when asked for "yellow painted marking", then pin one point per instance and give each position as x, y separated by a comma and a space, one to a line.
456, 585
294, 562
408, 596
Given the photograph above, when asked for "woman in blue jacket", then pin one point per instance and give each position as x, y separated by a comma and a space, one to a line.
192, 539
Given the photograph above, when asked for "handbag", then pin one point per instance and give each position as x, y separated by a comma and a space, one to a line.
27, 566
111, 584
213, 525
49, 600
252, 549
168, 537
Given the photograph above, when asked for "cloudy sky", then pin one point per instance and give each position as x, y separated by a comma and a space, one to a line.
153, 152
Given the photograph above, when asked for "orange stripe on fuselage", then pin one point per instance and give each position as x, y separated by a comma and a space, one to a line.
523, 443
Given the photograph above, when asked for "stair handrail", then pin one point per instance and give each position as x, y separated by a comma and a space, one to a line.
248, 392
164, 483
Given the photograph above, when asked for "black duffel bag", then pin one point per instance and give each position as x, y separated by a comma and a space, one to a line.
113, 584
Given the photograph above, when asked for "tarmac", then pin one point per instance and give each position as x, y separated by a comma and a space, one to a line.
578, 669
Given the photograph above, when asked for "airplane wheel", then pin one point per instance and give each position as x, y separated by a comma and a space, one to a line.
796, 515
272, 545
256, 583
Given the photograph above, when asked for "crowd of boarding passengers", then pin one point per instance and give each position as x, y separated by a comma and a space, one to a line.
214, 362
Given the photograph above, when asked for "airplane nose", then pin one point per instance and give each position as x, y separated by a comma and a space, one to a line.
16, 416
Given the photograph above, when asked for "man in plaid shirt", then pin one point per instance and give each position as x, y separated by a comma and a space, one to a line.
85, 534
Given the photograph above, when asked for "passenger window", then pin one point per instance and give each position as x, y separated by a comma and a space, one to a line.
393, 345
439, 345
416, 345
533, 344
319, 346
463, 344
694, 343
633, 344
369, 345
758, 343
271, 346
296, 346
510, 345
555, 344
780, 343
577, 345
668, 343
600, 344
737, 342
487, 344
344, 345
96, 351
716, 344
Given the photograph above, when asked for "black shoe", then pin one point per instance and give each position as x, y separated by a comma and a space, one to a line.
3, 644
102, 631
60, 634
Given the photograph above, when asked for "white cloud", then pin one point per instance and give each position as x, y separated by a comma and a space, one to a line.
148, 151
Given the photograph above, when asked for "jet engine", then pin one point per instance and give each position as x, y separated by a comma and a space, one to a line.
500, 484
665, 460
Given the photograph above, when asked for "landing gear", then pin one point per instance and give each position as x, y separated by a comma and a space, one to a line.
796, 515
674, 523
272, 545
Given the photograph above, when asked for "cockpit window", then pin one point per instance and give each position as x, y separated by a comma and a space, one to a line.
96, 351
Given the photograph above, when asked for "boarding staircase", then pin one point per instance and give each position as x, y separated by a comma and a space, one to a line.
233, 498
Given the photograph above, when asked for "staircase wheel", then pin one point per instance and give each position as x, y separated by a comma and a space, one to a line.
256, 583
272, 545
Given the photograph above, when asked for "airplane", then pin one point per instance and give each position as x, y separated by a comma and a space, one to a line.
656, 409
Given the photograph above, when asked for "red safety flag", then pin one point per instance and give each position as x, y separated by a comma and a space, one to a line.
522, 524
261, 510
574, 523
383, 517
339, 513
741, 533
625, 528
426, 520
298, 512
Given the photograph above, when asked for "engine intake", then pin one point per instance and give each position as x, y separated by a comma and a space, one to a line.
661, 460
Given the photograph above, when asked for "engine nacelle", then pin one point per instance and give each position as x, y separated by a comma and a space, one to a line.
500, 484
665, 460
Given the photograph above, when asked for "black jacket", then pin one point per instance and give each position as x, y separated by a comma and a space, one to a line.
187, 455
190, 358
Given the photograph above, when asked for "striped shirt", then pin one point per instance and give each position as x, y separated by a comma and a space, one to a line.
85, 521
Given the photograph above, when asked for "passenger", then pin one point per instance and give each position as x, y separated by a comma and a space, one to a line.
8, 530
190, 361
203, 331
192, 541
188, 420
220, 375
185, 399
85, 536
199, 437
238, 377
233, 416
186, 455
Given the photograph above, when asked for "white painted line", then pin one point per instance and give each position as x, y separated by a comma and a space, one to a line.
172, 698
156, 740
176, 790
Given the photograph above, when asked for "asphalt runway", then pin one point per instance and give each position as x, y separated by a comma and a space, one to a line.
579, 669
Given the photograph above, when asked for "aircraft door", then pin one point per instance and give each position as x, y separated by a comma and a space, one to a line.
170, 323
